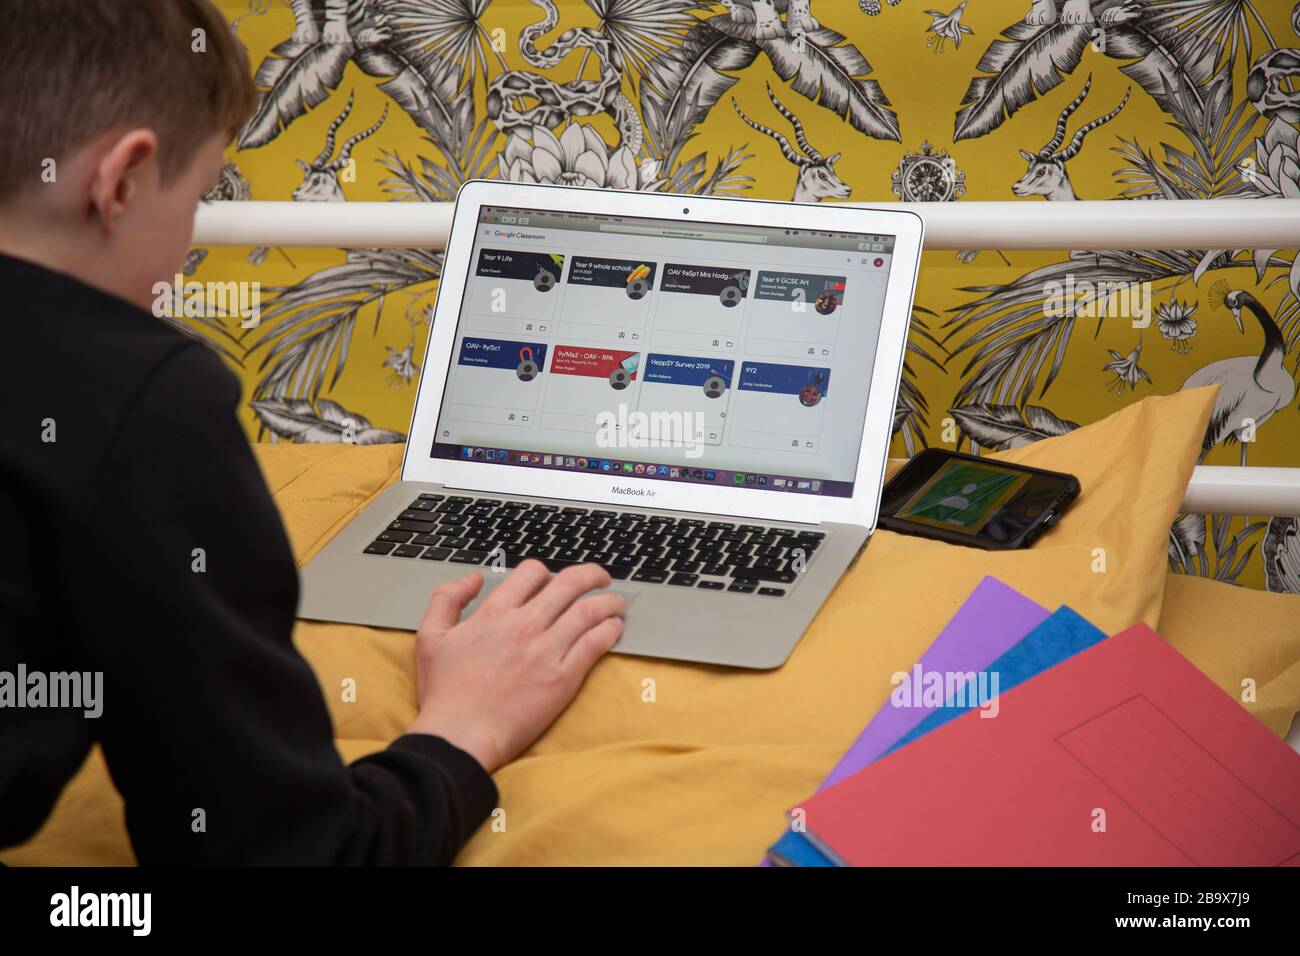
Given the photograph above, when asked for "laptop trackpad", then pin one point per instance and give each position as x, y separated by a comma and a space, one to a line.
489, 585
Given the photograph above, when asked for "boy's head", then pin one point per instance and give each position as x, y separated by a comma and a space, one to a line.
113, 117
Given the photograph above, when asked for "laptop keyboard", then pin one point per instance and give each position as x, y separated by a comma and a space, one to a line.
631, 546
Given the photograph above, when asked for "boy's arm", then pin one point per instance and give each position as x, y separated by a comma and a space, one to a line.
183, 594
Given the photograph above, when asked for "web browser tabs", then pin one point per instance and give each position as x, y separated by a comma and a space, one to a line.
689, 229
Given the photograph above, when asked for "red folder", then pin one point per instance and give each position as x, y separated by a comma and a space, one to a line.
1125, 754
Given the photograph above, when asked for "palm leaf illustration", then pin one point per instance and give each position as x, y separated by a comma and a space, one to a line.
1221, 141
692, 176
642, 30
308, 327
1228, 565
1012, 338
1225, 25
832, 72
298, 77
1187, 545
448, 28
682, 84
294, 79
326, 423
1212, 170
1031, 61
1164, 59
1188, 554
427, 183
999, 427
439, 182
424, 85
1281, 552
911, 409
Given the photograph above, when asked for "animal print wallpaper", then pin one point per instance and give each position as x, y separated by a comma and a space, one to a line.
817, 101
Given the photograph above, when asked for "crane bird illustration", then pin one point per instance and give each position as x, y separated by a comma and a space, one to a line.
1251, 389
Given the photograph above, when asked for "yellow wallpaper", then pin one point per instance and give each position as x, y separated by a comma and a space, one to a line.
1175, 98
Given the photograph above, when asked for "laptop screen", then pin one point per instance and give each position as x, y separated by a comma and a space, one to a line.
664, 350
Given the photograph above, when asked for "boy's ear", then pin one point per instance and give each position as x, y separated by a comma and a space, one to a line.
116, 174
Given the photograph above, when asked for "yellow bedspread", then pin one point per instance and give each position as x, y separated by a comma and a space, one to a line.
664, 763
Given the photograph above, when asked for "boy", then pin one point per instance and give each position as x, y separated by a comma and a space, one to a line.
120, 454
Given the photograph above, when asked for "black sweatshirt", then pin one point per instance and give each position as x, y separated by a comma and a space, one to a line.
120, 456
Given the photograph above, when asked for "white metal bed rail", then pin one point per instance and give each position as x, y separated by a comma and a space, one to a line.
1168, 224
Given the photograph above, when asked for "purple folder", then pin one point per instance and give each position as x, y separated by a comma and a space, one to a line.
991, 621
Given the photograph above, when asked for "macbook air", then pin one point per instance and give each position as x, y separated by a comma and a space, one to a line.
695, 393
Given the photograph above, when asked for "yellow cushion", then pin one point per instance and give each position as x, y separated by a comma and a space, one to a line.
1133, 468
1247, 641
665, 763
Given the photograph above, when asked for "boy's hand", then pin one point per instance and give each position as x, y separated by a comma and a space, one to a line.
492, 683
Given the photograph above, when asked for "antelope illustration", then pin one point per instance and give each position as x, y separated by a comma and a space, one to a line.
817, 179
1047, 176
321, 182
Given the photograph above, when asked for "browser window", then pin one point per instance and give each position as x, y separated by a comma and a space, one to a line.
666, 351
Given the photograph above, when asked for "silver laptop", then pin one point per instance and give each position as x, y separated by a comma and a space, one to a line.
695, 393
